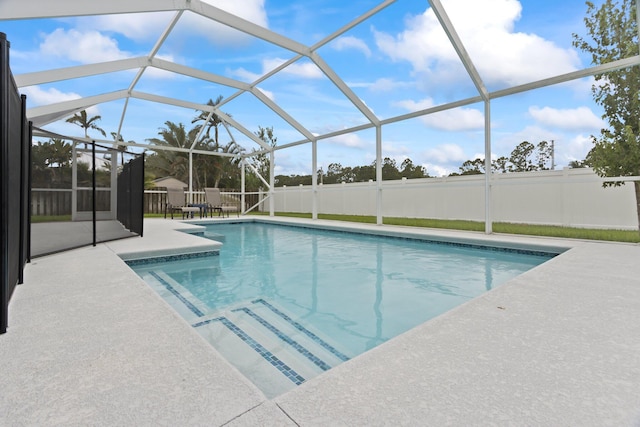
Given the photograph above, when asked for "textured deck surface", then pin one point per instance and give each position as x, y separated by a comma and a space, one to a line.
89, 343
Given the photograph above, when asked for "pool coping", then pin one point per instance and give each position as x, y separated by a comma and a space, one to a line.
556, 345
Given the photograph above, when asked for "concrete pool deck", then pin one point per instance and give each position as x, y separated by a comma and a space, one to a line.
89, 343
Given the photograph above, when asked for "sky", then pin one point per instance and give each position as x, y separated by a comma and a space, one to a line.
397, 62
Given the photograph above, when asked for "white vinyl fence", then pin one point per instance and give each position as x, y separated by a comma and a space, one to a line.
570, 197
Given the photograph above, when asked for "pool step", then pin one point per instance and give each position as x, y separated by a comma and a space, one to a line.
268, 346
183, 301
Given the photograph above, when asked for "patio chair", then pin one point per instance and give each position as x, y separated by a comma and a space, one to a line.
176, 202
214, 201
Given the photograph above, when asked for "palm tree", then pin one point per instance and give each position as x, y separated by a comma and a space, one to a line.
207, 169
225, 169
121, 148
172, 163
86, 123
60, 153
214, 122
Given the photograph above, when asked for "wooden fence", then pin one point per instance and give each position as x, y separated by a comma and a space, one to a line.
57, 201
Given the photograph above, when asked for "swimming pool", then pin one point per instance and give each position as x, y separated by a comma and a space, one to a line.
284, 304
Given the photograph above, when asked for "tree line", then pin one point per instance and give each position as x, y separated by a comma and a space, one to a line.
525, 157
336, 173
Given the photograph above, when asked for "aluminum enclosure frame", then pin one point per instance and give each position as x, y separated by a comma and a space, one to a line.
43, 115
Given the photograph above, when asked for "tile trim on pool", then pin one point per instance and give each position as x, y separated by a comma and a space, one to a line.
273, 360
177, 294
286, 338
304, 330
172, 257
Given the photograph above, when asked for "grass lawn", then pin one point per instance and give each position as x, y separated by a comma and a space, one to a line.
629, 236
49, 218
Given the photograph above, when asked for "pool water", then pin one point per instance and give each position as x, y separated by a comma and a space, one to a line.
285, 304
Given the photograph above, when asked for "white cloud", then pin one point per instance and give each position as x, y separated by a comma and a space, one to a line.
351, 43
504, 143
501, 56
38, 96
85, 47
445, 153
567, 119
575, 148
412, 105
90, 47
304, 69
220, 34
437, 170
388, 85
244, 74
267, 93
148, 26
347, 140
395, 150
456, 119
135, 26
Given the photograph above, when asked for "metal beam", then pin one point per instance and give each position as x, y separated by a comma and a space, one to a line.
279, 111
262, 78
201, 131
315, 47
142, 69
255, 171
488, 173
170, 101
72, 105
200, 107
574, 75
379, 175
352, 24
59, 74
450, 30
165, 34
346, 90
245, 131
314, 180
152, 147
247, 27
197, 74
35, 9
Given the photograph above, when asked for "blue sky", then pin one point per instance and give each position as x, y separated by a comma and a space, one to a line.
397, 62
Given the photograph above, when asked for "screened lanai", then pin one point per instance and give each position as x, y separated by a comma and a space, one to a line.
436, 83
363, 83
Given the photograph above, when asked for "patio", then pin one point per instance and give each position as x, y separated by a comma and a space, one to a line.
90, 343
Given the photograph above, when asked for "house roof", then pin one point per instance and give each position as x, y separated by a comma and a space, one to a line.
169, 182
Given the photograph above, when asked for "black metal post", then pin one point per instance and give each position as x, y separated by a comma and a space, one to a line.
24, 135
93, 189
4, 182
29, 186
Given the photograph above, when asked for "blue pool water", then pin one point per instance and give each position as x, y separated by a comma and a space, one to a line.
320, 296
